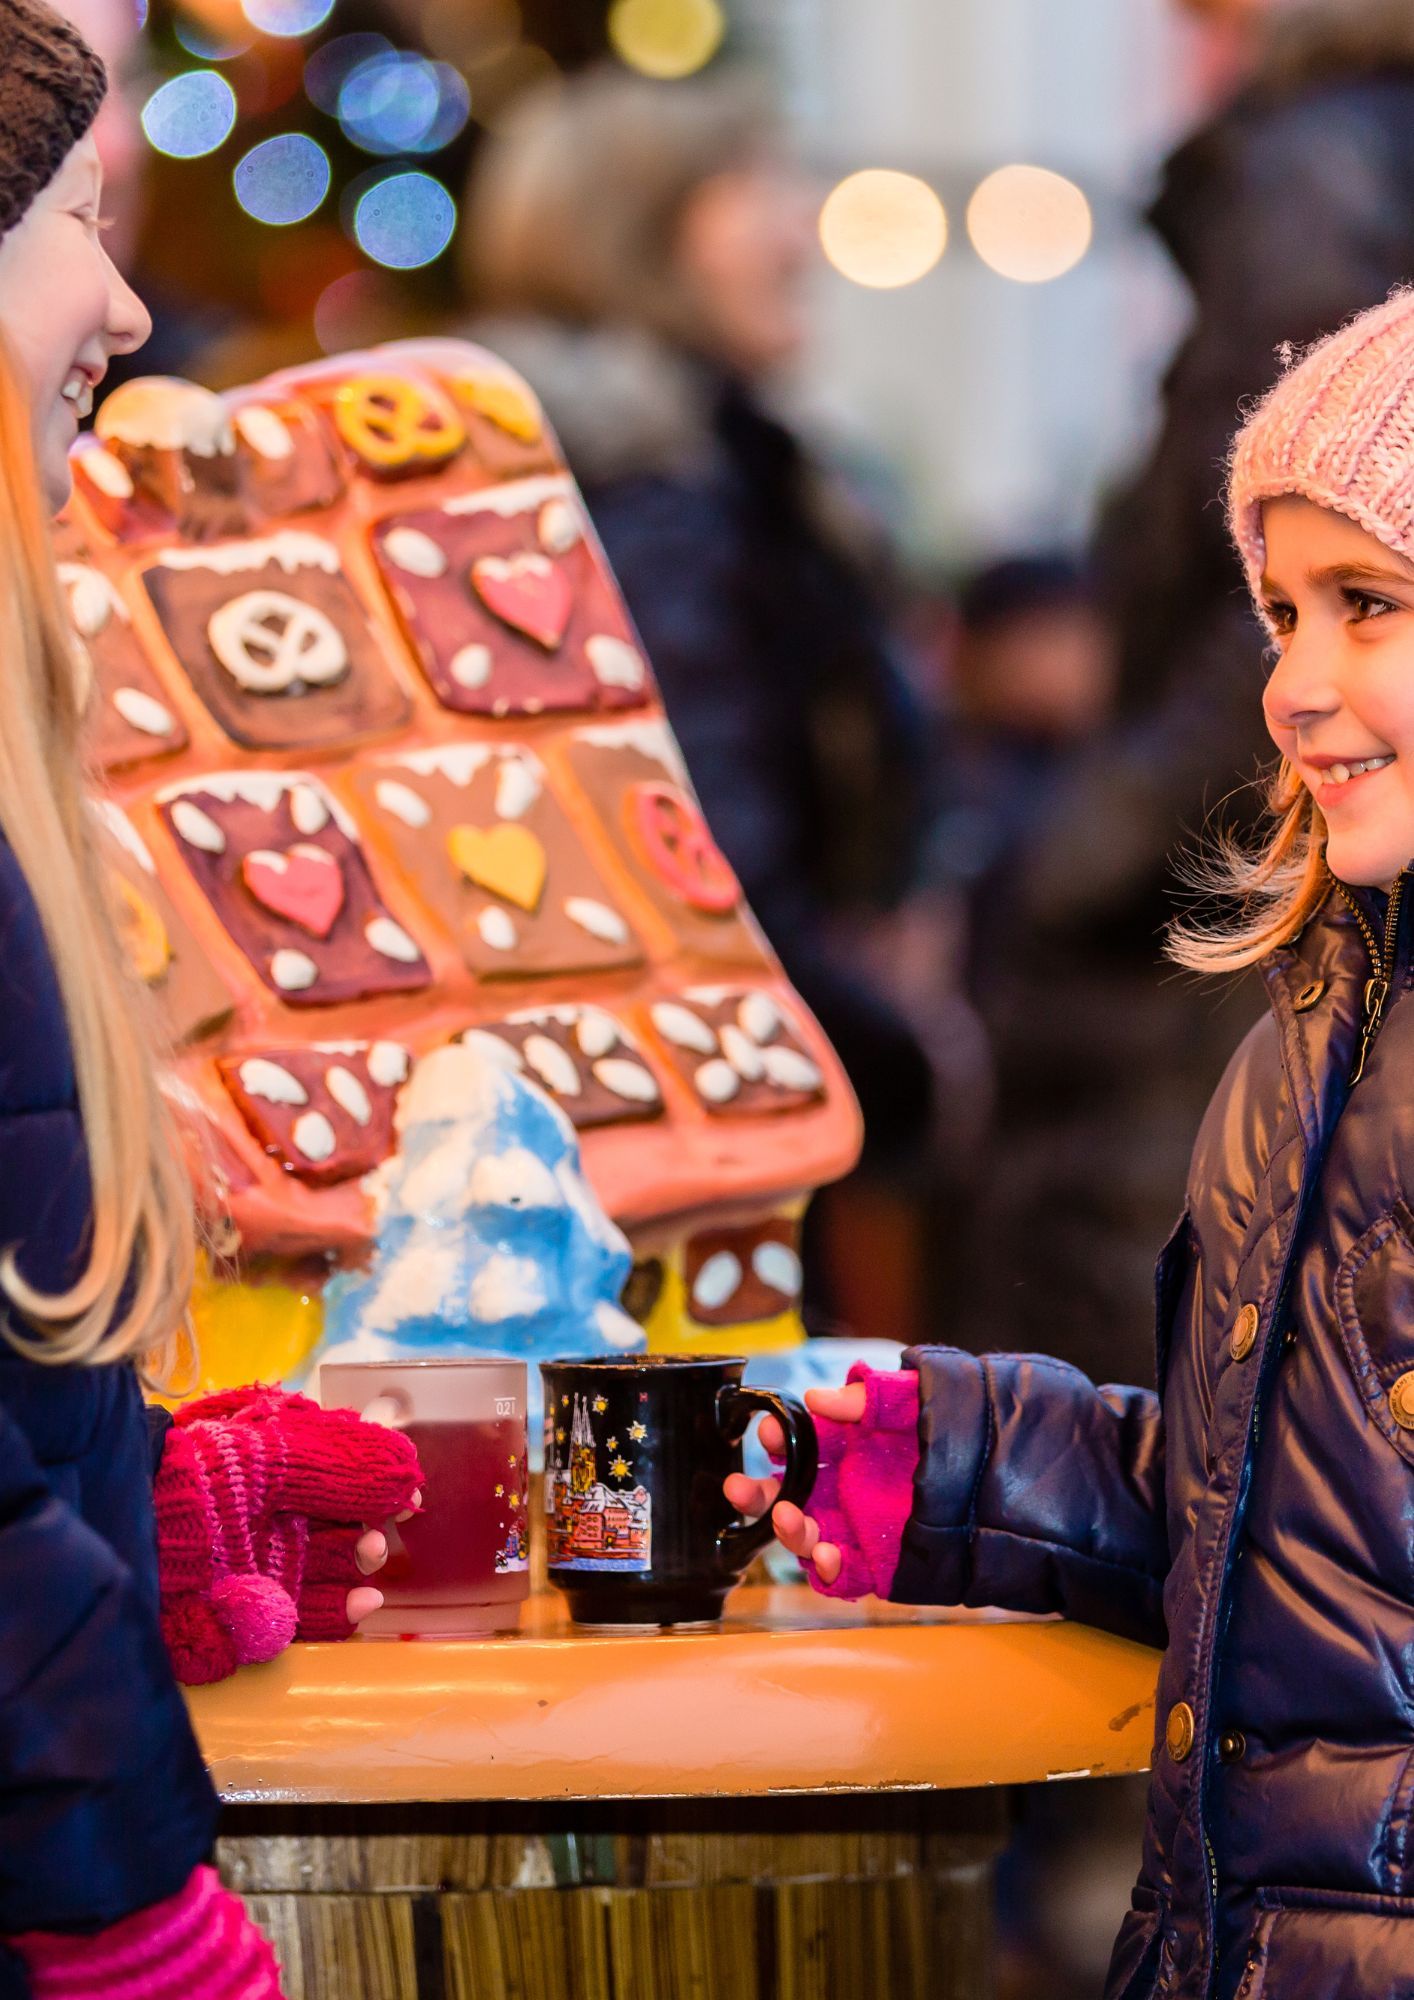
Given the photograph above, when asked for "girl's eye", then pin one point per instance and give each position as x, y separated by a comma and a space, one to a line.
1281, 618
1366, 605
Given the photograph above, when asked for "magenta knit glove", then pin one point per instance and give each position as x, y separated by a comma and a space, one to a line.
198, 1945
864, 1489
260, 1499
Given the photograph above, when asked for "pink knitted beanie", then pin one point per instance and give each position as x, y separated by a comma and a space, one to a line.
1338, 429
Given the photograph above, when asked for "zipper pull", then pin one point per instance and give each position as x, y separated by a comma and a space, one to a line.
1376, 993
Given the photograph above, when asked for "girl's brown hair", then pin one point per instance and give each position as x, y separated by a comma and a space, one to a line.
133, 1294
1276, 887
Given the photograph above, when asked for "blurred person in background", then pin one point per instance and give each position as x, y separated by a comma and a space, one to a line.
642, 251
1290, 209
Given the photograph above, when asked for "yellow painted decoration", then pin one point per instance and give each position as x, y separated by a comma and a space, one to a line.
505, 404
392, 423
252, 1333
671, 1329
143, 933
508, 860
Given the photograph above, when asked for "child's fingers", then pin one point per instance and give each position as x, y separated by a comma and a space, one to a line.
839, 1406
749, 1496
827, 1561
772, 1437
414, 1506
371, 1551
362, 1603
794, 1530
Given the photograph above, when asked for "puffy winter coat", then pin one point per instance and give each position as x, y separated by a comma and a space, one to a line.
104, 1804
1258, 1511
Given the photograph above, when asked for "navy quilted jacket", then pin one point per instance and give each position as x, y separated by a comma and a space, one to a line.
1255, 1516
104, 1804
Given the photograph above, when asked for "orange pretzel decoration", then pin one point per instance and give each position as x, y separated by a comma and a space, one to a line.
395, 425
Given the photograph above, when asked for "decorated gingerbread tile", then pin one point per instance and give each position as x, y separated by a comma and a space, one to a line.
505, 429
748, 1272
634, 776
281, 865
324, 1110
396, 423
283, 459
133, 715
161, 949
508, 604
164, 459
478, 833
583, 1056
275, 641
738, 1049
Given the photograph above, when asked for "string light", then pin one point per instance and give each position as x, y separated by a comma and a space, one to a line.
882, 228
405, 220
1029, 224
190, 115
666, 38
283, 180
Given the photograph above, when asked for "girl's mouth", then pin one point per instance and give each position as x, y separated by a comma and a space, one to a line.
1338, 779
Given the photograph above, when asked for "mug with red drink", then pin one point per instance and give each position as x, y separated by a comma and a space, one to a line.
460, 1567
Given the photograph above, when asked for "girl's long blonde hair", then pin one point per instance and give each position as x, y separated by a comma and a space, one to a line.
1275, 888
133, 1295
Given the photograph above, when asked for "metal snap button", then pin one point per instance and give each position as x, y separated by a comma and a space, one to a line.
1308, 996
1232, 1746
1401, 1400
1179, 1731
1244, 1333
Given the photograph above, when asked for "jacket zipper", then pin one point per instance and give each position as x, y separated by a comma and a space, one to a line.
1381, 962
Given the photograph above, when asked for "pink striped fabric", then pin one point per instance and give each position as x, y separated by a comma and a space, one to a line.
198, 1945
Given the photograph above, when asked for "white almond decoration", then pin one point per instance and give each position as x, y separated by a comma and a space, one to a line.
714, 1284
388, 1064
262, 1078
109, 474
415, 552
517, 787
683, 1028
777, 1265
626, 1078
292, 971
558, 526
596, 1033
265, 431
553, 1065
92, 598
743, 1054
308, 810
390, 940
197, 828
470, 666
143, 712
505, 1055
348, 1093
597, 918
497, 930
614, 661
789, 1070
717, 1081
314, 1136
402, 802
759, 1016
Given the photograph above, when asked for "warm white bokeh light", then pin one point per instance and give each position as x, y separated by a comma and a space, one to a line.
1029, 224
883, 228
666, 38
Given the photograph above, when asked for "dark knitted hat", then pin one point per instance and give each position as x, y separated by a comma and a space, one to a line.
51, 85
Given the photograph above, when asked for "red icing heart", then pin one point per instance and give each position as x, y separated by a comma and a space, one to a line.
527, 592
304, 885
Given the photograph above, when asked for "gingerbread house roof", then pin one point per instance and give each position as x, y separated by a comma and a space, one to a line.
384, 765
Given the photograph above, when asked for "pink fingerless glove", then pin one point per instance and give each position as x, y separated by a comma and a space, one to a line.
864, 1489
198, 1945
260, 1500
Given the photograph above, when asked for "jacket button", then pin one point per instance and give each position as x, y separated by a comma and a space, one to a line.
1401, 1401
1244, 1338
1232, 1746
1308, 996
1178, 1734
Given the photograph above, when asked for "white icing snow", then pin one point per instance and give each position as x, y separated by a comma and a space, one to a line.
390, 940
348, 1093
457, 762
616, 1327
261, 789
271, 1080
124, 832
163, 413
516, 1178
417, 1285
197, 828
790, 1070
143, 711
742, 1053
614, 661
716, 1281
717, 1081
265, 431
470, 666
518, 784
416, 553
452, 1085
291, 549
402, 802
777, 1265
108, 474
516, 498
292, 971
597, 918
759, 1016
555, 1067
626, 1078
388, 1063
308, 809
497, 930
506, 1287
651, 736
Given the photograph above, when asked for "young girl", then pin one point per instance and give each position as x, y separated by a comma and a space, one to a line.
1256, 1516
106, 1815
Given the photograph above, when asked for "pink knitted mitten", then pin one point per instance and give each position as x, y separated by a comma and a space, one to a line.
261, 1498
864, 1489
198, 1945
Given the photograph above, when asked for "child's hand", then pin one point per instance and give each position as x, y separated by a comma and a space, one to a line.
370, 1554
795, 1530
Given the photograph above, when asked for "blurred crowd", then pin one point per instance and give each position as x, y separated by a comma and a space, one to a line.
954, 801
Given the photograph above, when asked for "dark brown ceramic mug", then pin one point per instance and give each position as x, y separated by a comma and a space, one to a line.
639, 1531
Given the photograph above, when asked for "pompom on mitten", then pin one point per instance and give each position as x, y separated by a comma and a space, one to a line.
198, 1945
864, 1489
260, 1499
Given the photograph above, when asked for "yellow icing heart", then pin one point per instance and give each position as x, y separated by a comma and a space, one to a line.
507, 860
504, 404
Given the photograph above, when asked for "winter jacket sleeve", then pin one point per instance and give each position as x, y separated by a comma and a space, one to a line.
1036, 1491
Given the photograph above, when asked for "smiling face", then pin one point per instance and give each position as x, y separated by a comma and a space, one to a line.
1340, 700
65, 309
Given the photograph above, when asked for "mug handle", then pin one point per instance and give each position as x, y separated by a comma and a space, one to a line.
737, 1544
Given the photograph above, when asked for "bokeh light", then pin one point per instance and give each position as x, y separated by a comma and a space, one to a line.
190, 114
358, 309
329, 64
1029, 224
398, 102
405, 220
287, 20
284, 179
206, 43
666, 38
883, 228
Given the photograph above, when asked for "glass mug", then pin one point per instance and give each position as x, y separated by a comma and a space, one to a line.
461, 1567
636, 1449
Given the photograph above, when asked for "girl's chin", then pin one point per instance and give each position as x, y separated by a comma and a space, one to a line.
1363, 866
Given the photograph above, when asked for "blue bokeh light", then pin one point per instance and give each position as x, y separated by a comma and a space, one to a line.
284, 179
398, 102
205, 43
405, 220
190, 115
329, 64
287, 19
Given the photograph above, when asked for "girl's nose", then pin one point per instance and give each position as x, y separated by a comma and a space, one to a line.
129, 323
1301, 687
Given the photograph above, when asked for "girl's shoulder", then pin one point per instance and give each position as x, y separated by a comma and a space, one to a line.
36, 1060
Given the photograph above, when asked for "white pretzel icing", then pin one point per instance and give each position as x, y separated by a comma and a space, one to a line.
270, 642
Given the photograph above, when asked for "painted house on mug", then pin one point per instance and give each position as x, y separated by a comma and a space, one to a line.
386, 772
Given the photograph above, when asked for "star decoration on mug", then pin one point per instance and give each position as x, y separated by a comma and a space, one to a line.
601, 1403
638, 1432
619, 1469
